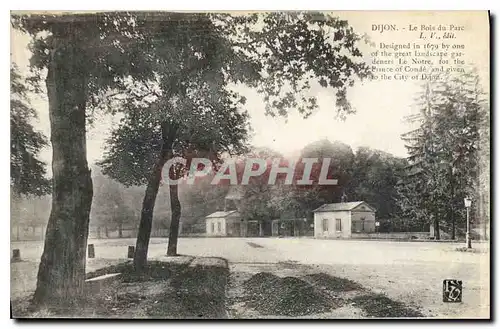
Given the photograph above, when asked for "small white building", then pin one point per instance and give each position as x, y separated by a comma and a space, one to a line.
340, 220
224, 223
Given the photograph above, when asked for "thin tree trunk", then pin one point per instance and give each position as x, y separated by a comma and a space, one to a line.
486, 223
106, 231
451, 221
169, 131
145, 225
436, 229
61, 272
453, 229
452, 194
175, 207
120, 230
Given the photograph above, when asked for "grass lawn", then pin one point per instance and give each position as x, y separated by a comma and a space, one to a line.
164, 290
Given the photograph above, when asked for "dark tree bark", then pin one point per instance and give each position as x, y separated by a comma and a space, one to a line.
169, 131
120, 230
61, 272
452, 215
175, 207
453, 228
148, 203
486, 236
436, 228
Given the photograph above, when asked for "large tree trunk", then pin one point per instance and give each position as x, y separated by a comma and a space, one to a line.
169, 132
175, 207
61, 272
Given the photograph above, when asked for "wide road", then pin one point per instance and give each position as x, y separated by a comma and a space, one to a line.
411, 272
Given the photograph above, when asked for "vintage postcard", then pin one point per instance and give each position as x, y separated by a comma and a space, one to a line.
250, 165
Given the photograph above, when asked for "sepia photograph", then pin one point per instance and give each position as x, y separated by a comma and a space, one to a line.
250, 165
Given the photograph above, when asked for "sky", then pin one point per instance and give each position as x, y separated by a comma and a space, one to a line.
381, 106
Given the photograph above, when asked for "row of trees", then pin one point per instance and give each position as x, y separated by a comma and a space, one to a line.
368, 175
365, 175
170, 73
445, 151
116, 208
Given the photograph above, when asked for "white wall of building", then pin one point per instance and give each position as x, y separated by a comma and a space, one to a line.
331, 231
216, 226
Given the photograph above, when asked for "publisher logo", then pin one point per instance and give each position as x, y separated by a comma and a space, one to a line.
452, 291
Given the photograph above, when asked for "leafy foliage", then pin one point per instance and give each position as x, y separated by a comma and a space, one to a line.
108, 47
204, 128
27, 171
374, 179
299, 200
278, 53
295, 49
199, 55
255, 196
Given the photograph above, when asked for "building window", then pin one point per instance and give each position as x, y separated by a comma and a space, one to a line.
338, 225
362, 224
325, 224
218, 227
213, 228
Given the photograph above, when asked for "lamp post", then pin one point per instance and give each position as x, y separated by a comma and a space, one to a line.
468, 203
